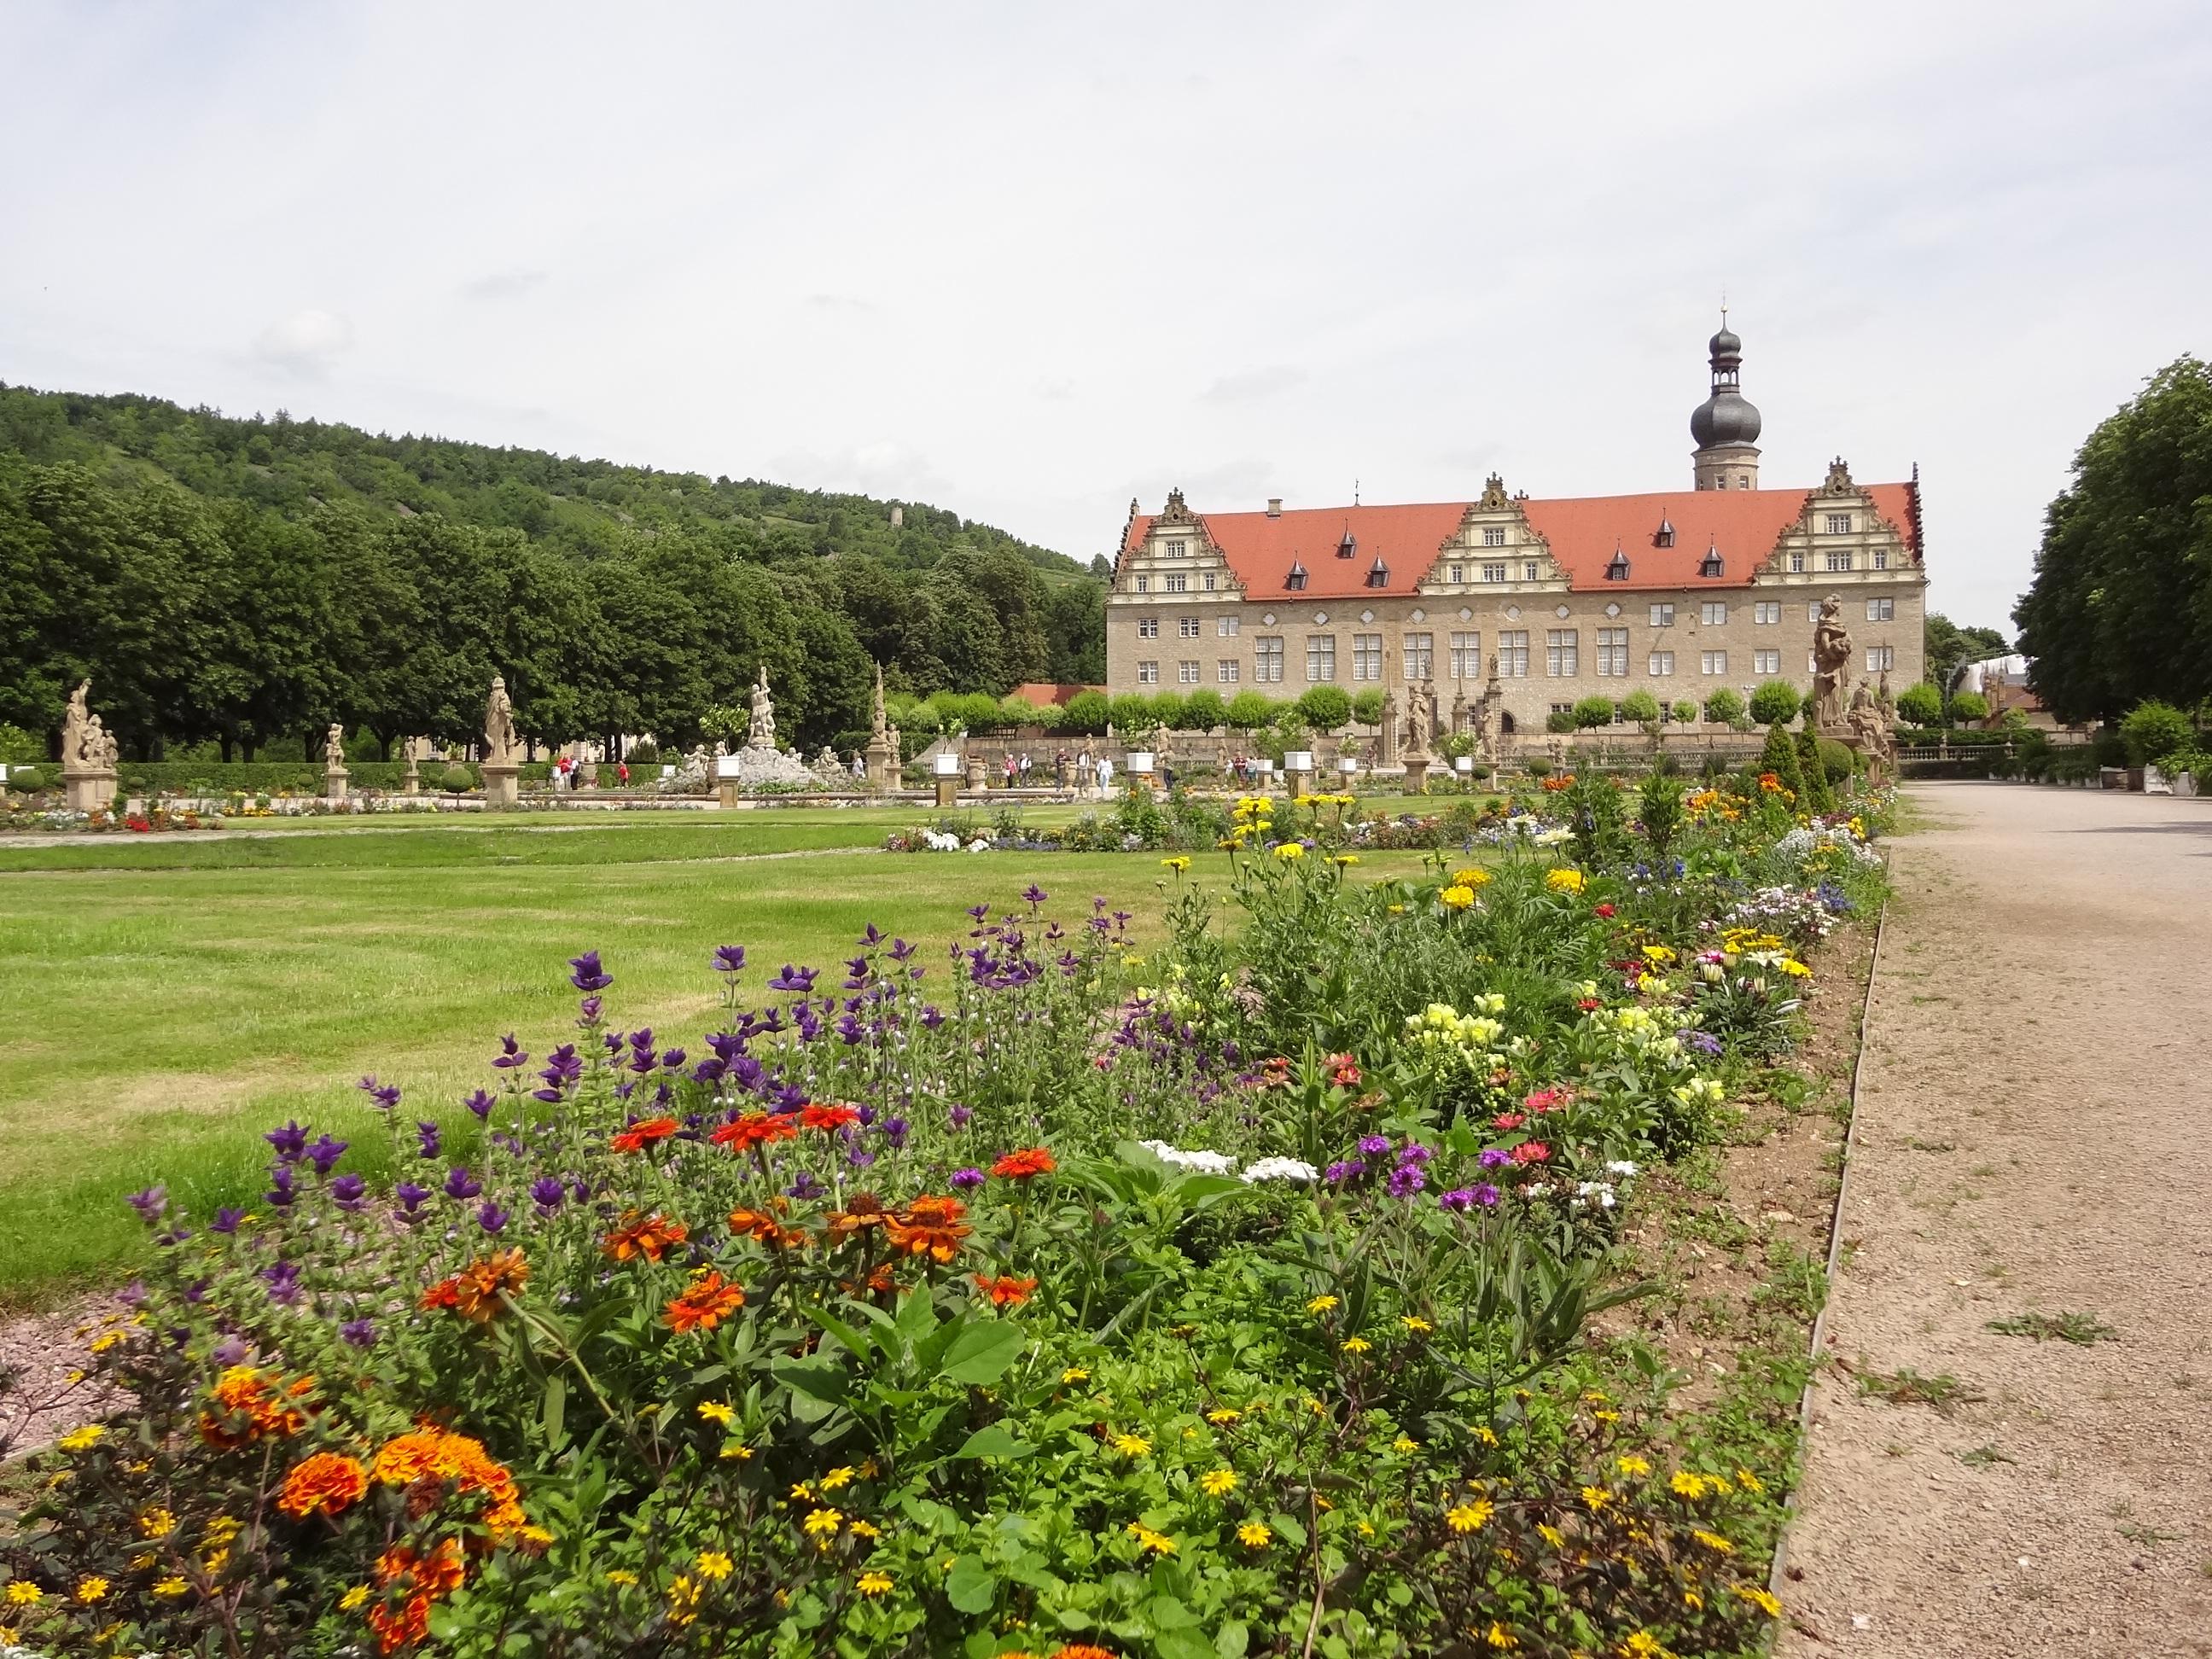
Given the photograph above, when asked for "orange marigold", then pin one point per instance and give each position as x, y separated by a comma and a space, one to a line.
708, 1301
931, 1226
1025, 1165
755, 1129
411, 1581
426, 1458
327, 1483
251, 1403
640, 1135
828, 1117
474, 1292
1081, 1650
650, 1236
1006, 1293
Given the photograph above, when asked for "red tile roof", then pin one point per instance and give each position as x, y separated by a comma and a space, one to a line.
1045, 694
1743, 524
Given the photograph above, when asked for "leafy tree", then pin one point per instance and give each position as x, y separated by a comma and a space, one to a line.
1367, 705
1947, 647
2120, 607
1641, 706
1818, 797
1779, 757
1921, 704
1968, 706
1132, 713
1250, 710
1685, 711
1325, 708
2154, 731
1559, 720
1086, 712
1723, 707
1168, 710
1776, 702
1590, 713
1202, 710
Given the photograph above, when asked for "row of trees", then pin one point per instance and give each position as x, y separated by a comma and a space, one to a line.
215, 618
2120, 609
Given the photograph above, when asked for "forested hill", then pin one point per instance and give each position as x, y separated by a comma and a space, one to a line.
241, 579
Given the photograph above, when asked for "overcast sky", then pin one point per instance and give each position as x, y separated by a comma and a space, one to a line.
1026, 261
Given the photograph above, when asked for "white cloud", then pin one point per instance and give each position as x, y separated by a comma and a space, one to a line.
306, 343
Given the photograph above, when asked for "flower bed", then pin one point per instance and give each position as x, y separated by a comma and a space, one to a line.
1033, 1296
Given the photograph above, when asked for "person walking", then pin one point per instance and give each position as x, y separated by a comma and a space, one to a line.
1105, 776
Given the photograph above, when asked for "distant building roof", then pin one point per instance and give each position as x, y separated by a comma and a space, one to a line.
1045, 695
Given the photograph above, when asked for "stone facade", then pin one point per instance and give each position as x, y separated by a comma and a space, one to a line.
1677, 593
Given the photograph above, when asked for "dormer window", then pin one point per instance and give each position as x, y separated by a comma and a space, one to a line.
1349, 546
1712, 564
1616, 568
1297, 579
1666, 536
1378, 574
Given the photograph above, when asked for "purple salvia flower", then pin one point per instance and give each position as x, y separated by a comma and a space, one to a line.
226, 1220
806, 1186
290, 1142
358, 1333
481, 1103
589, 976
546, 1193
428, 1138
511, 1054
150, 1203
382, 1096
491, 1217
729, 958
461, 1185
900, 950
231, 1350
283, 1279
895, 1132
410, 1195
280, 1191
351, 1191
961, 1116
968, 1180
587, 1012
326, 1152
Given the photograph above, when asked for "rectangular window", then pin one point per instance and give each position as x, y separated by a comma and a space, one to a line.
1226, 627
1148, 628
1178, 581
1659, 665
1839, 524
1458, 572
1881, 609
1143, 584
1714, 662
1880, 657
1513, 653
1421, 653
1713, 612
1766, 662
1563, 709
1187, 627
1493, 572
1187, 670
1226, 670
1561, 651
1321, 656
1812, 611
1882, 558
1148, 673
1662, 616
1839, 559
1176, 549
1267, 660
1366, 656
1613, 651
1796, 564
1466, 656
1528, 571
1206, 581
1493, 535
1766, 611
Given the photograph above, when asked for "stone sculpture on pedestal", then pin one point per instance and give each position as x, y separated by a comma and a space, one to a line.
88, 755
1832, 657
502, 760
334, 766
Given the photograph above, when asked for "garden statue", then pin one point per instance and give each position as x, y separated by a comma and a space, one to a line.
1386, 743
1832, 657
334, 747
1883, 700
76, 721
503, 747
1557, 748
1870, 730
883, 754
1459, 708
760, 733
879, 722
88, 755
1420, 722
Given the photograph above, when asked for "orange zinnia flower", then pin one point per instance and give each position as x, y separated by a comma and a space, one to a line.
766, 1225
931, 1226
418, 1580
328, 1483
1081, 1650
862, 1210
425, 1459
473, 1292
708, 1301
755, 1129
828, 1117
641, 1135
1025, 1165
1006, 1293
650, 1236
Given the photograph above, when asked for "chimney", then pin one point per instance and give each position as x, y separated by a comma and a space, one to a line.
1274, 507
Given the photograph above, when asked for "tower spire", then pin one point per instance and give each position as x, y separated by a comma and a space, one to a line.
1726, 425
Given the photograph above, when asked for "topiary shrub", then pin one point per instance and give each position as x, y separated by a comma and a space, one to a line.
1592, 712
1776, 702
1325, 708
1968, 706
457, 781
1920, 705
2154, 732
1838, 760
1686, 712
1779, 757
1819, 798
1641, 706
1559, 720
1725, 708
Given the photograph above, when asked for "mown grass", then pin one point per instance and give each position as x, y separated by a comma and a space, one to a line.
163, 1017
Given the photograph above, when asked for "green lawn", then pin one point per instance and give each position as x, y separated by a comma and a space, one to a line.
175, 996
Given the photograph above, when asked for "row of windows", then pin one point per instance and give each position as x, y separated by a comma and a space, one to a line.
1562, 657
1711, 612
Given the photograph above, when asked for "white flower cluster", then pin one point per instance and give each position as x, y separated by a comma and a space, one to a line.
1801, 843
1279, 1169
1220, 1163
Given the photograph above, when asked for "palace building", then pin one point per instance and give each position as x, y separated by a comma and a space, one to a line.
1679, 593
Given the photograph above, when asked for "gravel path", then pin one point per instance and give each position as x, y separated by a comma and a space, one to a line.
2033, 1109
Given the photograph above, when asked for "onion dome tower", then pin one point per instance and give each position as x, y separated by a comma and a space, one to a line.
1725, 425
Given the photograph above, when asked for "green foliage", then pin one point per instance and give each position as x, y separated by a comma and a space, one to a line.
1776, 702
16, 744
1724, 707
1086, 712
1946, 647
2120, 608
1685, 711
1969, 705
1779, 757
1202, 710
1590, 713
1559, 720
1325, 708
1920, 705
1641, 706
1168, 709
1818, 797
1838, 763
1132, 713
1250, 710
2154, 731
1659, 808
456, 780
1367, 705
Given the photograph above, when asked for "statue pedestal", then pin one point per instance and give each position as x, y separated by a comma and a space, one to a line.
334, 783
413, 783
1417, 773
90, 791
502, 790
975, 773
1299, 783
883, 767
948, 790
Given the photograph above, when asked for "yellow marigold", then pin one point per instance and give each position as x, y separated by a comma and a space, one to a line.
1288, 850
872, 1583
83, 1439
1469, 1515
713, 1565
91, 1589
1320, 1304
1551, 1535
1132, 1445
840, 1476
1500, 1637
1470, 878
353, 1598
1763, 1600
737, 1453
1749, 1481
1456, 898
823, 1521
1566, 881
1642, 1644
1688, 1484
156, 1522
717, 1411
1218, 1483
1596, 1497
171, 1586
1357, 1344
105, 1341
